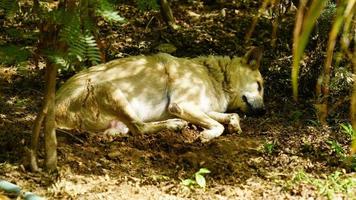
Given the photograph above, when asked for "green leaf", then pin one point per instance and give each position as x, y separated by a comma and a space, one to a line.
106, 11
347, 129
301, 39
200, 179
203, 171
111, 16
188, 182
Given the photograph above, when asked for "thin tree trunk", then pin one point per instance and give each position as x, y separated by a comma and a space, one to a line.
48, 39
46, 113
49, 128
37, 128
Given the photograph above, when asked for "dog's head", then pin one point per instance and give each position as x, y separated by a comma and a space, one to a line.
246, 83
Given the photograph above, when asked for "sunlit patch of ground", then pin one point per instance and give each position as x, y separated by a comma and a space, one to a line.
272, 159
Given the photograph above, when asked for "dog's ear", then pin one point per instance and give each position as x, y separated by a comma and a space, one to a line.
253, 57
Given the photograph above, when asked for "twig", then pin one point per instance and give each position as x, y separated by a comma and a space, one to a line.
284, 58
71, 135
148, 24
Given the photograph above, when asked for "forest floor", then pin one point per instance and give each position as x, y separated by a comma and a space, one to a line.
285, 154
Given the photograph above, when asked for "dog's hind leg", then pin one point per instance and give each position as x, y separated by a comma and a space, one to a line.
118, 128
170, 124
117, 104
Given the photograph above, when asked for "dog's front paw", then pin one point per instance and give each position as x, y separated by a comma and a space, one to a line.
234, 128
176, 124
234, 124
208, 134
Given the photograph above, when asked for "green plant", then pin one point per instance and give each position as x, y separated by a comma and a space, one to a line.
106, 11
342, 29
197, 179
76, 27
269, 147
81, 43
348, 130
300, 176
336, 147
306, 18
328, 186
78, 31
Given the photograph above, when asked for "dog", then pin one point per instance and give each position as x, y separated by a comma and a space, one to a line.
146, 94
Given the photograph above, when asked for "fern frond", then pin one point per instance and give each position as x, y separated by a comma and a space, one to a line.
71, 30
61, 61
81, 46
71, 35
92, 49
77, 33
59, 58
106, 11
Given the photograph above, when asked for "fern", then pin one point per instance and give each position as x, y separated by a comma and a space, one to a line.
106, 11
92, 50
60, 60
71, 34
81, 42
76, 30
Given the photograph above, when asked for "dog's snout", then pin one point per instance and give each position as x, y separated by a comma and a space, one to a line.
255, 106
259, 111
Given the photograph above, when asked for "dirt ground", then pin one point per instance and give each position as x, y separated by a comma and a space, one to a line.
284, 154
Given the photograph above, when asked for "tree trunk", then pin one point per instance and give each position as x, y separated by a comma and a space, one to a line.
48, 39
47, 113
37, 128
49, 128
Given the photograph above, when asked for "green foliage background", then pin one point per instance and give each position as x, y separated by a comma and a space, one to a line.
78, 31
